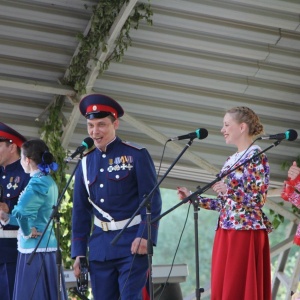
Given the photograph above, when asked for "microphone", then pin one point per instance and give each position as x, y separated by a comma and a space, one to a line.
289, 135
86, 144
200, 133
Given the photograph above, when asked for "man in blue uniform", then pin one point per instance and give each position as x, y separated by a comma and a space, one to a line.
110, 184
12, 181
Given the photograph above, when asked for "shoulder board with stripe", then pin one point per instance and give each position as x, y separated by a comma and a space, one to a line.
133, 145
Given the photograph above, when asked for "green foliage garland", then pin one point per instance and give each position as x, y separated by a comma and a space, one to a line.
104, 15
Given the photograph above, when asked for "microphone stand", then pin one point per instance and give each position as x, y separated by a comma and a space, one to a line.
55, 217
198, 290
193, 198
147, 203
74, 291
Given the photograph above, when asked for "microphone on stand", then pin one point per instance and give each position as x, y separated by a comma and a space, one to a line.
200, 133
86, 144
289, 135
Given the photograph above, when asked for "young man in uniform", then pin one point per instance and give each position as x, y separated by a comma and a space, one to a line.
12, 182
110, 184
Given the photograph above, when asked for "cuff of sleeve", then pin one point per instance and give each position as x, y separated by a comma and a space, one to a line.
26, 237
224, 194
3, 223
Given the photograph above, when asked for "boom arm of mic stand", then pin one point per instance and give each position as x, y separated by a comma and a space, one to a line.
55, 216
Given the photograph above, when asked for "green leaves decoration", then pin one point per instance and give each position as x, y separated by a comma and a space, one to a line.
104, 15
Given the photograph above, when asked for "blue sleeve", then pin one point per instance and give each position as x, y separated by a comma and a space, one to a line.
81, 216
147, 179
13, 220
29, 203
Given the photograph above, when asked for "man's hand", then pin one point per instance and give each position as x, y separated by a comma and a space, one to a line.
4, 207
3, 216
139, 246
76, 266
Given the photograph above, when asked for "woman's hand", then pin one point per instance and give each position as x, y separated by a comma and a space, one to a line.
220, 187
34, 233
182, 192
293, 171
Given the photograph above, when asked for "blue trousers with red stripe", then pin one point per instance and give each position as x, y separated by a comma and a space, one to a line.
122, 278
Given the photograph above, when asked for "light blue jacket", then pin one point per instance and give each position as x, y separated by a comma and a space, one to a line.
34, 210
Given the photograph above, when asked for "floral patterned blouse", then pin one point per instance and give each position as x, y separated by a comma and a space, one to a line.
241, 206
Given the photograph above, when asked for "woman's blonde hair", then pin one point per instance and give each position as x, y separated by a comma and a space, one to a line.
243, 114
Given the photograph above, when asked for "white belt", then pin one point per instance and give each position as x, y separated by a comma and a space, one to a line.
8, 234
106, 226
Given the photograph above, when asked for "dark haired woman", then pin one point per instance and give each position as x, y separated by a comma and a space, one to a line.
39, 279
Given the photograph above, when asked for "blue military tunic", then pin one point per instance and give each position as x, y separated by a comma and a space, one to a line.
13, 180
118, 181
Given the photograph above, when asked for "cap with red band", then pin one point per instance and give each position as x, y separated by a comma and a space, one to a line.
7, 133
100, 106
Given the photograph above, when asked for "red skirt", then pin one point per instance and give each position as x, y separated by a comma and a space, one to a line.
241, 267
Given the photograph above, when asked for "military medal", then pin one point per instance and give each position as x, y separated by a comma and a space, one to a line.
129, 160
110, 168
9, 186
117, 161
124, 161
16, 181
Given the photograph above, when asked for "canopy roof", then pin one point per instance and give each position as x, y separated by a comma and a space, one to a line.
197, 60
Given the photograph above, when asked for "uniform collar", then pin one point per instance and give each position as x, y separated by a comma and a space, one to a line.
35, 173
11, 167
111, 145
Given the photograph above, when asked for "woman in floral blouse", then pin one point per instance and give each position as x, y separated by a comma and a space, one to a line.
241, 267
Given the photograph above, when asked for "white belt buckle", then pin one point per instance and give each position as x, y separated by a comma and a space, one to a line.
113, 225
104, 226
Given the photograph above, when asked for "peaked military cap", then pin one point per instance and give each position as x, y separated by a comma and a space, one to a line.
97, 106
9, 134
